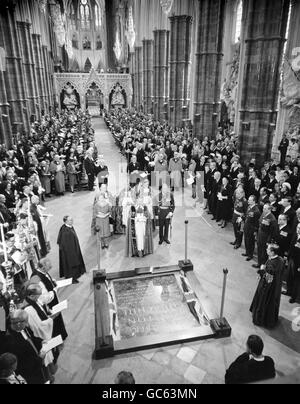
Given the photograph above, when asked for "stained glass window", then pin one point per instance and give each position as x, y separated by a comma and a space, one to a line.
85, 14
98, 17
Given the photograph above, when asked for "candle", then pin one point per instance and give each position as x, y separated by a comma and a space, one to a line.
3, 243
28, 198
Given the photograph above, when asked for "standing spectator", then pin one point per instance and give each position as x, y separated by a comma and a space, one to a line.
251, 227
175, 170
224, 205
58, 169
72, 174
90, 170
267, 232
293, 281
283, 148
71, 264
252, 366
134, 171
239, 215
266, 303
101, 171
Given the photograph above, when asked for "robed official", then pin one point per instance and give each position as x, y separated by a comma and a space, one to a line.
266, 304
71, 263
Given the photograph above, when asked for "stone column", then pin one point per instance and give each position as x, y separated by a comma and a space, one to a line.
138, 77
208, 67
132, 72
46, 75
37, 51
148, 75
5, 122
263, 40
161, 73
29, 66
180, 61
287, 112
14, 73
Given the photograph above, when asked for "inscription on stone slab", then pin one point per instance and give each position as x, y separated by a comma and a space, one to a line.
151, 306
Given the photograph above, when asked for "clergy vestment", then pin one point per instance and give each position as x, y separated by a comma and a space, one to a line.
71, 263
58, 322
249, 370
266, 302
26, 347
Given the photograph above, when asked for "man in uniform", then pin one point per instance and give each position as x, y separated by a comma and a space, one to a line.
251, 227
166, 208
268, 231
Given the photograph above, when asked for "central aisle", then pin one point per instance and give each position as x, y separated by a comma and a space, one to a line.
209, 251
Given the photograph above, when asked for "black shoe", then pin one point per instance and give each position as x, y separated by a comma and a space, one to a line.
249, 259
160, 243
244, 255
168, 242
233, 243
256, 266
75, 282
236, 247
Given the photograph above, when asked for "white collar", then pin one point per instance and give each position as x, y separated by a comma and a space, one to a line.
257, 359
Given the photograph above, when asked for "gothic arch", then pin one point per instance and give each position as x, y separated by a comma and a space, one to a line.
88, 65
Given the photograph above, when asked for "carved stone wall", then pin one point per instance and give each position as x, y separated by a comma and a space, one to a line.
81, 82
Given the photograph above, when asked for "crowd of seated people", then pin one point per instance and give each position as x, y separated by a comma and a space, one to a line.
262, 201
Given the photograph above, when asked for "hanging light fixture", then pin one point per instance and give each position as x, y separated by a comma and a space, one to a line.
130, 32
166, 5
118, 46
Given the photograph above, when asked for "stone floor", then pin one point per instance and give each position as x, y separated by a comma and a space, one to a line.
203, 362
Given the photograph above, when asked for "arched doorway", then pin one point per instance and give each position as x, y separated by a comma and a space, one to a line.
94, 100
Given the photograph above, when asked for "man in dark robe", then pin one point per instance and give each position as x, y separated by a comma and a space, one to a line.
21, 342
266, 303
37, 219
71, 263
252, 366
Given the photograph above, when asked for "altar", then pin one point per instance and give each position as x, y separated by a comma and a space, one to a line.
149, 308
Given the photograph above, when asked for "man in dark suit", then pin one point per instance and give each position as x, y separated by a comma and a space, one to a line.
252, 366
283, 147
21, 342
267, 232
284, 237
251, 227
133, 169
90, 170
166, 207
287, 210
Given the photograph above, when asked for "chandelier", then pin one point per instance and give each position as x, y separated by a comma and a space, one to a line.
42, 5
166, 5
130, 32
118, 47
59, 27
